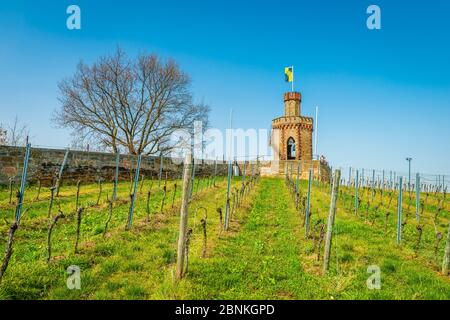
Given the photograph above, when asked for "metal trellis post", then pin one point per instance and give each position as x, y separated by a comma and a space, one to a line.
356, 192
417, 196
399, 211
133, 198
308, 203
22, 183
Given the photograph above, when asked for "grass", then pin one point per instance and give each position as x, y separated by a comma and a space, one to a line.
271, 259
264, 255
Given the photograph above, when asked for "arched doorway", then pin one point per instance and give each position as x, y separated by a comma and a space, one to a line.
291, 149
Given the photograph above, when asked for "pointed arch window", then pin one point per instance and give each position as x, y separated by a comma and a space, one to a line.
291, 149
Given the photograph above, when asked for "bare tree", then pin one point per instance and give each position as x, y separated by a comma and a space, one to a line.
3, 135
14, 135
129, 104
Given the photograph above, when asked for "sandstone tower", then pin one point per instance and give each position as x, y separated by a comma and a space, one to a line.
292, 133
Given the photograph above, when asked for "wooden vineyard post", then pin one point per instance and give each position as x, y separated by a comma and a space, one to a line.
160, 169
192, 180
446, 261
116, 177
373, 185
308, 204
417, 197
133, 195
349, 175
183, 215
77, 197
286, 176
393, 181
382, 184
163, 198
290, 175
330, 179
79, 216
174, 194
38, 189
319, 173
108, 220
11, 181
443, 185
356, 192
215, 172
58, 181
227, 205
399, 210
243, 179
331, 217
99, 191
390, 181
50, 206
203, 222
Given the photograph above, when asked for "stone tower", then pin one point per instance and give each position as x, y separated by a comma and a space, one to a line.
292, 133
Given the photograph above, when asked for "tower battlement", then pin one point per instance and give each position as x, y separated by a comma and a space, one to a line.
292, 103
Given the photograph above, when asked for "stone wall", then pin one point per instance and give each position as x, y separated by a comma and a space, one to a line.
86, 166
320, 169
44, 164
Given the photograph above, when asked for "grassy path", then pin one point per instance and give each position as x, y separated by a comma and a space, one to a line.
262, 261
271, 259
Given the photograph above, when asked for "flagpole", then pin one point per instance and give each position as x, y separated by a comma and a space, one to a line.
315, 132
292, 78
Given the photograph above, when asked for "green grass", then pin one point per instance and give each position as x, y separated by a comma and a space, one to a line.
271, 259
264, 255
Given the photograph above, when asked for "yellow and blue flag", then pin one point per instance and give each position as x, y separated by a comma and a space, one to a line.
289, 74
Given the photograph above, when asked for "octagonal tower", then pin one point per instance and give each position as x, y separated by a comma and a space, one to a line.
292, 132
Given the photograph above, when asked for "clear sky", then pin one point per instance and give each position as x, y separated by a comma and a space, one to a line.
382, 94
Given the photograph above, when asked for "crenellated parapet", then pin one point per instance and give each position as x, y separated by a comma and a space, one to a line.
293, 122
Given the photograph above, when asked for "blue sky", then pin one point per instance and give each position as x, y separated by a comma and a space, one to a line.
382, 95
